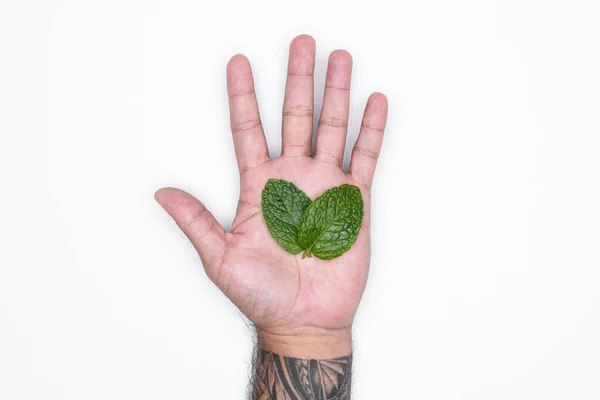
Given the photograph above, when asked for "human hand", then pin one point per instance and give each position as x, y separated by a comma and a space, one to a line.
300, 307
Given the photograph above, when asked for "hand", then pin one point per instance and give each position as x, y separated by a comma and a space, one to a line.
300, 307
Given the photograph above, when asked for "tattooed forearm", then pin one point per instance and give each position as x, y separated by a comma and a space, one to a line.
287, 378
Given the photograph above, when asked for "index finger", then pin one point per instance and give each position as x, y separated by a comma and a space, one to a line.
248, 136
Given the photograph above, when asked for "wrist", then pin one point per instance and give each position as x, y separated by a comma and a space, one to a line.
321, 344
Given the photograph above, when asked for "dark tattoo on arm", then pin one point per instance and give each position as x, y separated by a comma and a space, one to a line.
287, 378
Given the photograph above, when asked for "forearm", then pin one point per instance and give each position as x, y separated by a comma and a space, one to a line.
298, 371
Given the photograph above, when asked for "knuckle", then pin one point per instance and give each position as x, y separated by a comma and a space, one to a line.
327, 157
196, 218
298, 110
245, 125
372, 128
334, 122
374, 155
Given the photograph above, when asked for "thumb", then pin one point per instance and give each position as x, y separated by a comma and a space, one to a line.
198, 224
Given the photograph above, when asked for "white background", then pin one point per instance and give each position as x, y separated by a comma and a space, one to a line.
485, 279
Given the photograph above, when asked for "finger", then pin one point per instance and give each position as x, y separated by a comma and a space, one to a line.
248, 136
298, 103
199, 225
333, 123
368, 145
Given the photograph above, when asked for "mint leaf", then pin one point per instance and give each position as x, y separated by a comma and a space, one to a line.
283, 205
330, 224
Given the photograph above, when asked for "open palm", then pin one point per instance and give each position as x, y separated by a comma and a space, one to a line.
283, 294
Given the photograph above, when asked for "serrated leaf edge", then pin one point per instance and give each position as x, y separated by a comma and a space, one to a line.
307, 252
272, 181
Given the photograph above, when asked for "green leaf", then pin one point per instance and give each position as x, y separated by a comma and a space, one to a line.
283, 205
330, 224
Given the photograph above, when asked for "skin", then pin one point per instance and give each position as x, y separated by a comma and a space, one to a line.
301, 307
